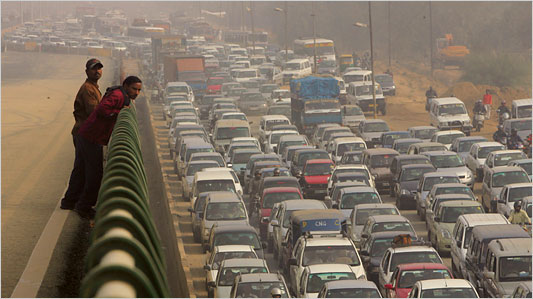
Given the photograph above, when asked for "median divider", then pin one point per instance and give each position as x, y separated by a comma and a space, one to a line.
125, 258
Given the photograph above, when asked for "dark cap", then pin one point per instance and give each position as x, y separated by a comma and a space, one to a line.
92, 63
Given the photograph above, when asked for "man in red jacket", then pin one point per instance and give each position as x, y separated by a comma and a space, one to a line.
95, 133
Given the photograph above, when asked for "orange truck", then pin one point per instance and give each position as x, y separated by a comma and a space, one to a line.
448, 53
186, 68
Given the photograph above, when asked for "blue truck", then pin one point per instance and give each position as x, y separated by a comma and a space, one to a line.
315, 100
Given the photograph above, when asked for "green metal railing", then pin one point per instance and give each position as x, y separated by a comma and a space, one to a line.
125, 258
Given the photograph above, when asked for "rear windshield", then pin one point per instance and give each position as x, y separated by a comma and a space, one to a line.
377, 161
429, 182
271, 199
232, 132
237, 238
350, 200
414, 257
217, 211
362, 214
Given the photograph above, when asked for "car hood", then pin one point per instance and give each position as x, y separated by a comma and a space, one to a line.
446, 226
509, 287
371, 135
402, 292
463, 170
317, 179
409, 185
454, 117
223, 291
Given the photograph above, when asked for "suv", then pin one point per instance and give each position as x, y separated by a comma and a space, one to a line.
378, 161
478, 154
502, 158
495, 179
508, 263
258, 285
510, 194
371, 129
447, 161
448, 114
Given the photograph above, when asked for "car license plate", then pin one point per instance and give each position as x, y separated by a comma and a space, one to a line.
370, 105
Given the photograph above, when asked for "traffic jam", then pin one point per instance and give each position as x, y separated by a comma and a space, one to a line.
297, 188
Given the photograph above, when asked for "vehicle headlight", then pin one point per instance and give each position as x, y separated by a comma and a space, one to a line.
445, 234
405, 192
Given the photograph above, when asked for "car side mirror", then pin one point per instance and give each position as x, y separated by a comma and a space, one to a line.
489, 275
364, 236
458, 243
293, 262
298, 173
363, 252
437, 219
207, 267
388, 286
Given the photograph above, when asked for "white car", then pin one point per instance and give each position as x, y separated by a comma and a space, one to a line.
267, 122
510, 194
446, 137
223, 171
443, 288
229, 269
404, 255
280, 96
272, 141
448, 114
349, 168
314, 277
502, 158
225, 252
320, 250
359, 215
478, 153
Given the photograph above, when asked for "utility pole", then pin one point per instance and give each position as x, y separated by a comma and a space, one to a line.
430, 39
286, 11
388, 6
243, 27
252, 21
314, 38
372, 58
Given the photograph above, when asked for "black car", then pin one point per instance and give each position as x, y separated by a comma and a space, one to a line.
407, 183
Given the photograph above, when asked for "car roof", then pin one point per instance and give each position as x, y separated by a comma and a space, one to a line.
273, 117
281, 190
259, 277
449, 185
279, 178
420, 266
213, 175
221, 227
324, 268
506, 169
224, 196
351, 284
348, 139
411, 248
409, 157
439, 174
317, 214
232, 123
233, 248
487, 144
292, 137
447, 100
294, 204
456, 203
388, 218
381, 151
494, 231
448, 132
439, 153
391, 234
484, 219
511, 246
206, 154
467, 138
453, 196
243, 262
519, 185
506, 151
374, 206
407, 140
358, 189
328, 241
429, 284
246, 150
319, 161
410, 166
369, 121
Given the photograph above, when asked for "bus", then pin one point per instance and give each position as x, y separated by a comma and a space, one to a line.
259, 38
325, 48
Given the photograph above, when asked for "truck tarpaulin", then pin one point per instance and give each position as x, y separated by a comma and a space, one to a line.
315, 87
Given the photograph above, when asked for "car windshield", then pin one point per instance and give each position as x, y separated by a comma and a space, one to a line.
449, 293
197, 150
414, 174
432, 148
352, 111
227, 275
402, 147
242, 158
425, 133
383, 78
270, 199
515, 268
504, 159
500, 179
275, 136
232, 132
519, 193
350, 200
215, 185
362, 214
522, 124
353, 293
446, 161
327, 63
449, 138
429, 182
353, 78
194, 168
282, 93
260, 289
377, 161
235, 116
450, 109
450, 214
391, 226
237, 238
274, 122
177, 89
483, 152
317, 281
225, 211
409, 277
346, 147
330, 255
454, 190
313, 155
220, 256
526, 167
216, 158
215, 81
253, 97
246, 74
464, 146
318, 169
236, 92
379, 246
352, 158
414, 257
376, 127
353, 177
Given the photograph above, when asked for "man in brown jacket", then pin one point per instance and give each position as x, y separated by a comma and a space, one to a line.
86, 101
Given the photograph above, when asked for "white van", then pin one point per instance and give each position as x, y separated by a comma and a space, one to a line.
179, 89
345, 144
267, 122
245, 75
227, 129
357, 76
294, 69
239, 51
448, 114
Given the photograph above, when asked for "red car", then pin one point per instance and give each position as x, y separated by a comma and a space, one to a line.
214, 84
314, 177
406, 275
269, 198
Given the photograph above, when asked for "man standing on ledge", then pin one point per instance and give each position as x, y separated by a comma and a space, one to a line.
86, 100
96, 132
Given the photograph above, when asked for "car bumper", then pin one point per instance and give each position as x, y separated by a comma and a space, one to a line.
315, 193
408, 200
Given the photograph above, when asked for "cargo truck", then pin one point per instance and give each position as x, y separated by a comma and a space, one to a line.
190, 69
314, 100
